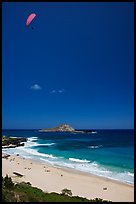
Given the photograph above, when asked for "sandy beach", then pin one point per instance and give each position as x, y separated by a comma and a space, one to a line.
54, 179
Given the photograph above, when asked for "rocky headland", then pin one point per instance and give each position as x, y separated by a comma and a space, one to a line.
10, 142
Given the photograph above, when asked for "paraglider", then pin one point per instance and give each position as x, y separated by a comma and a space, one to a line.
30, 19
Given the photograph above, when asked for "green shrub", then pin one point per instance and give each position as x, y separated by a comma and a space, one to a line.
24, 192
66, 191
7, 182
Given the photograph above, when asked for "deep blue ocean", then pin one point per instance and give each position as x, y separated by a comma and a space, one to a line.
107, 153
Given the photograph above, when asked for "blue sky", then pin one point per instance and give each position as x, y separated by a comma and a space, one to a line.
76, 66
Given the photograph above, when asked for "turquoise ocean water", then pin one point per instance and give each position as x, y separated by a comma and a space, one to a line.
107, 153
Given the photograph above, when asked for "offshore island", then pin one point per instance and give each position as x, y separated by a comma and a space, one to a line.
60, 128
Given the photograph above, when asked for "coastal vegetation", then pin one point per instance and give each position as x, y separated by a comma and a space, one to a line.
24, 192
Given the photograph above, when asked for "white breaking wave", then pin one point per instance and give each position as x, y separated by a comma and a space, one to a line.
34, 144
130, 174
28, 152
36, 153
32, 138
95, 146
46, 144
79, 160
30, 143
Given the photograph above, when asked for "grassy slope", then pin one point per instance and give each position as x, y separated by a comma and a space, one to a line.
24, 192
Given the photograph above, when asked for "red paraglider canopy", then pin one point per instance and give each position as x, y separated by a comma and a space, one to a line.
30, 18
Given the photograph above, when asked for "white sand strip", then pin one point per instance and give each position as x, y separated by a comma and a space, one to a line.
53, 179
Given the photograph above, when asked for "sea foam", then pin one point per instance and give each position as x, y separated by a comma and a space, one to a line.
95, 146
83, 165
79, 160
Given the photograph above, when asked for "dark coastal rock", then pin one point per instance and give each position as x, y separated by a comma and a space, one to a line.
10, 142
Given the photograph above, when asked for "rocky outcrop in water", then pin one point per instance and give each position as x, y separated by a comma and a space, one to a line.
60, 128
10, 142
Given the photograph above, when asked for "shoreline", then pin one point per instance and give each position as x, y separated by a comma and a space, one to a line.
52, 178
69, 169
76, 171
